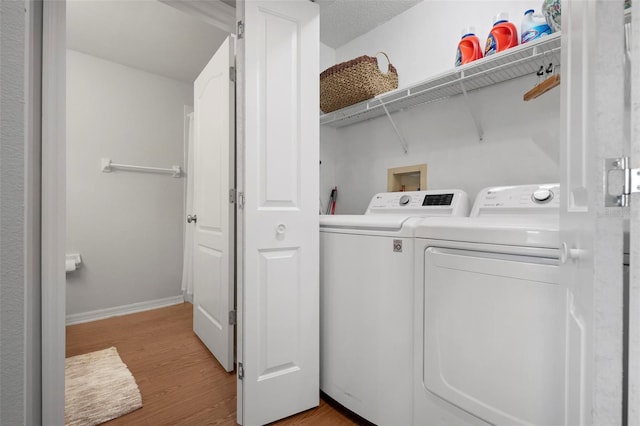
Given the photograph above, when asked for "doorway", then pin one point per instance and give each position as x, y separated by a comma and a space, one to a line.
126, 103
128, 93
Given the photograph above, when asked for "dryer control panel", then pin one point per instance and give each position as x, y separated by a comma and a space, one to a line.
520, 199
452, 202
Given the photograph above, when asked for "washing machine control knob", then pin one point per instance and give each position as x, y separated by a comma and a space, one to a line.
542, 195
404, 200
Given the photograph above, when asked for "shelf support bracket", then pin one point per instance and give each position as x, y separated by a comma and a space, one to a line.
403, 142
476, 122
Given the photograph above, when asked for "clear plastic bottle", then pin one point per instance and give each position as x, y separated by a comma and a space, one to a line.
468, 47
533, 27
502, 36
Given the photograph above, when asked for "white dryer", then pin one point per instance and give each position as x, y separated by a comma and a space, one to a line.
366, 302
490, 315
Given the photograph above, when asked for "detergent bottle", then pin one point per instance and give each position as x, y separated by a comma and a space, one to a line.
533, 27
502, 36
468, 47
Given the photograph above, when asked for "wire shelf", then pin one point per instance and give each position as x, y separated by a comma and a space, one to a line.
516, 62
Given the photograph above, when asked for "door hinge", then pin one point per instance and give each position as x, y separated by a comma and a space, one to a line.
232, 317
232, 74
240, 32
236, 197
630, 181
240, 371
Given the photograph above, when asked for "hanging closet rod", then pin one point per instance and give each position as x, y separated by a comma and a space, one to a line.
108, 166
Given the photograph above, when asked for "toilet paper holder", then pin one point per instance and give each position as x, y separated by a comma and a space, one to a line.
72, 261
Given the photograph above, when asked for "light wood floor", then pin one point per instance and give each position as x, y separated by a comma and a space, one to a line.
180, 381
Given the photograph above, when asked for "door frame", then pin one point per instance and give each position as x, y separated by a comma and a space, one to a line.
633, 366
53, 204
591, 234
53, 196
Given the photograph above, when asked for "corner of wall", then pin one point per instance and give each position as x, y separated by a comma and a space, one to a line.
327, 57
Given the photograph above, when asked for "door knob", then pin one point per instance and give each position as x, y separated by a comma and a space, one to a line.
567, 253
193, 218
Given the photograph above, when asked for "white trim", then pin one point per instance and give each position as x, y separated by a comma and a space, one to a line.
33, 196
53, 209
240, 137
123, 310
187, 270
633, 302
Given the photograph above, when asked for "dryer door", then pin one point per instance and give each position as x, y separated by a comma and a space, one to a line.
494, 335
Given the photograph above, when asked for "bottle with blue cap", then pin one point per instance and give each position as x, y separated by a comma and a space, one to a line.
533, 27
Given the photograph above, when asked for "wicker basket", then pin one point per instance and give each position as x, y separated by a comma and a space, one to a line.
355, 81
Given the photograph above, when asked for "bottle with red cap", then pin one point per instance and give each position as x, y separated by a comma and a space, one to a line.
502, 36
468, 47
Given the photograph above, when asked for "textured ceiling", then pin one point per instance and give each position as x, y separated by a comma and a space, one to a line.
343, 20
158, 38
146, 35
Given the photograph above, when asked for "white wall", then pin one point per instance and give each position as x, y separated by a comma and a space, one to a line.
328, 136
127, 226
12, 214
521, 139
422, 41
520, 145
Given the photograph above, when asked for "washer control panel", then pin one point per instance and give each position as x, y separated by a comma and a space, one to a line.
520, 199
450, 202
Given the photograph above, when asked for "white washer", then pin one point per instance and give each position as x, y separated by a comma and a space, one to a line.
366, 302
490, 315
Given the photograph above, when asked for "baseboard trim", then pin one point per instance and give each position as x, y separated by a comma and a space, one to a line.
123, 310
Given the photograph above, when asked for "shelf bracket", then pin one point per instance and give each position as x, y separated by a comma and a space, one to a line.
476, 122
403, 142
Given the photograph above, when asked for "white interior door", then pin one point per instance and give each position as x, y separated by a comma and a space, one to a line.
213, 174
592, 130
278, 342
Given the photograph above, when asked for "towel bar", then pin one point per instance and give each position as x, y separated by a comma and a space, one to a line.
107, 166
